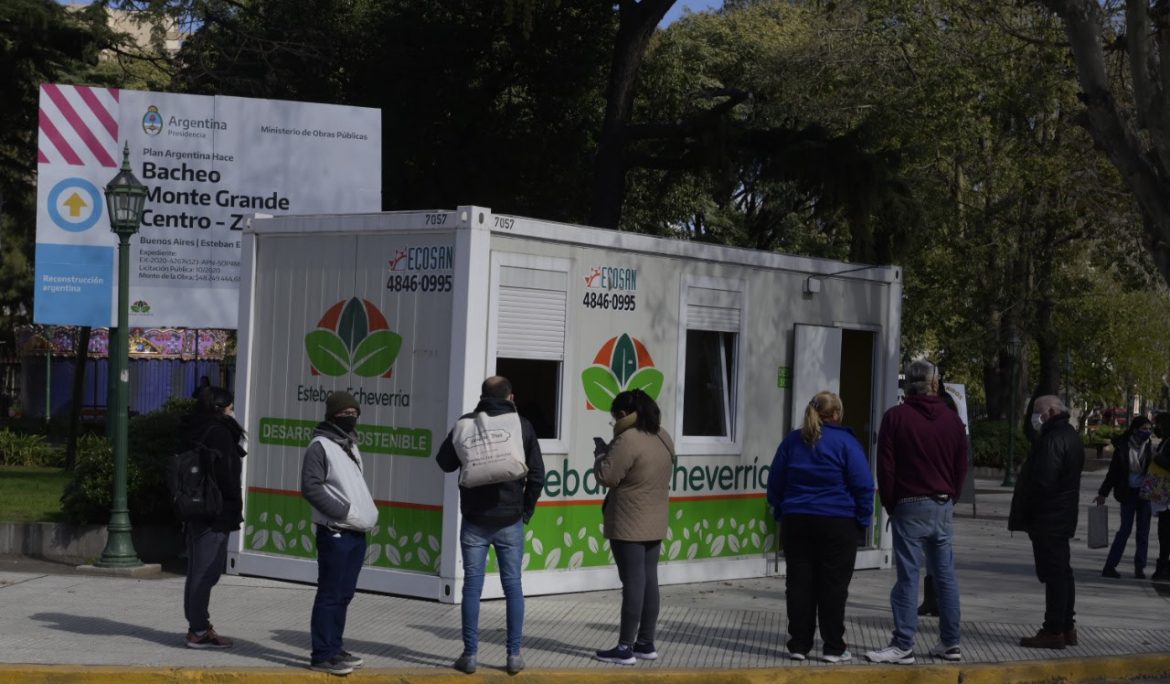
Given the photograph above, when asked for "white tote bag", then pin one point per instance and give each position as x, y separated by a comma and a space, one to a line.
1098, 526
490, 449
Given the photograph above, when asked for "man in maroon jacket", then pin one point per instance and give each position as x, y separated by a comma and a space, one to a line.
922, 462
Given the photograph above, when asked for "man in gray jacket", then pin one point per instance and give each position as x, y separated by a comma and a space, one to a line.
343, 511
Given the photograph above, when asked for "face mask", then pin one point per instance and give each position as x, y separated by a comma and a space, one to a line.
347, 423
1141, 436
1158, 433
1037, 422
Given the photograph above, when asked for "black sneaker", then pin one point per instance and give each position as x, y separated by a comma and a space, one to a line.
1138, 573
333, 666
1111, 573
350, 659
644, 651
618, 655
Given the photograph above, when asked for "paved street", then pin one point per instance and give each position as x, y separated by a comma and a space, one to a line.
54, 615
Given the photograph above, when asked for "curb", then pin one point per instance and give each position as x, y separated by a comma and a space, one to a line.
1061, 670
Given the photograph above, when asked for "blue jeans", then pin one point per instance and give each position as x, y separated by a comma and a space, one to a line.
509, 542
339, 561
1133, 507
922, 529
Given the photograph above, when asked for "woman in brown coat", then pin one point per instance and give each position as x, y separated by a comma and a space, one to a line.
636, 466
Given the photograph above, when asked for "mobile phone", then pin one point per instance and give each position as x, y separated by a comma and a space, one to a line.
599, 446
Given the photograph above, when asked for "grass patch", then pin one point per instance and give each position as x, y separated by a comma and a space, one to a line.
31, 494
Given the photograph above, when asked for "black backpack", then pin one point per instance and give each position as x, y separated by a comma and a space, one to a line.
194, 492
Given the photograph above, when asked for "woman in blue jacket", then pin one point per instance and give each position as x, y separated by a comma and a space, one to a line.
821, 491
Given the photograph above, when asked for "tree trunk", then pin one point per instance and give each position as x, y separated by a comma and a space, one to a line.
1119, 134
1048, 379
638, 21
80, 360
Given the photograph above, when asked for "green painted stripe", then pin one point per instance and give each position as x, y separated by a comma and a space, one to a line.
404, 538
374, 439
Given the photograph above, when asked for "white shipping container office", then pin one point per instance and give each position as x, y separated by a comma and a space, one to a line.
410, 311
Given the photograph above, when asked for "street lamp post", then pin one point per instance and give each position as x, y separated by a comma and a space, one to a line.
1009, 473
125, 200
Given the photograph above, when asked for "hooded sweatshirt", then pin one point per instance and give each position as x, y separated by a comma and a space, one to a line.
922, 451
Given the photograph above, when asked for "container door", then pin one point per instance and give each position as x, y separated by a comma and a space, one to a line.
816, 366
841, 361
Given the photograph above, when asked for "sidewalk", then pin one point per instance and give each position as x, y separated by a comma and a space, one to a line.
73, 627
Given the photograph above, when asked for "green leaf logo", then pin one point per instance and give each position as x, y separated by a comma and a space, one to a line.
327, 352
600, 387
625, 359
353, 335
623, 363
376, 353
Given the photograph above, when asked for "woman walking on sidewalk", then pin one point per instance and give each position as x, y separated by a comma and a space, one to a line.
821, 491
636, 466
1131, 459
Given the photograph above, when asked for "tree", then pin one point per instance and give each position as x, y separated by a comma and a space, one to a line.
638, 20
1128, 119
40, 41
489, 103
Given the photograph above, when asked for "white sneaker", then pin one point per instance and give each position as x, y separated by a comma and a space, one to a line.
842, 657
796, 656
946, 652
891, 654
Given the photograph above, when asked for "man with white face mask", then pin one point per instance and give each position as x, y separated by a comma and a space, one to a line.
1045, 504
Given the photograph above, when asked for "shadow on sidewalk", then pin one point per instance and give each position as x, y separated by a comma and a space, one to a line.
102, 627
300, 640
499, 637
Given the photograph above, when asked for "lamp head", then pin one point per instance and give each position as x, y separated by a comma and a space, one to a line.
125, 199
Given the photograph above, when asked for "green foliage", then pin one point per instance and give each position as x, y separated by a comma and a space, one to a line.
41, 41
1102, 435
153, 439
989, 444
87, 497
31, 494
27, 450
489, 103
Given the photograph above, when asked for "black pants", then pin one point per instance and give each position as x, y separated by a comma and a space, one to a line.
820, 553
206, 559
637, 564
1163, 538
1055, 571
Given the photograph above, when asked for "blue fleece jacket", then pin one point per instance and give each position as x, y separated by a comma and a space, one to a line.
832, 478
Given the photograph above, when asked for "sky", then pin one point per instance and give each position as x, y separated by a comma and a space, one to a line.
694, 5
675, 12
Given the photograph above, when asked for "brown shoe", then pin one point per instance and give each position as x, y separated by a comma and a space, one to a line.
1044, 639
1070, 637
209, 639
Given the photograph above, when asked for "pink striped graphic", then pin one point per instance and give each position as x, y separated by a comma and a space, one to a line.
98, 110
79, 126
58, 141
41, 158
